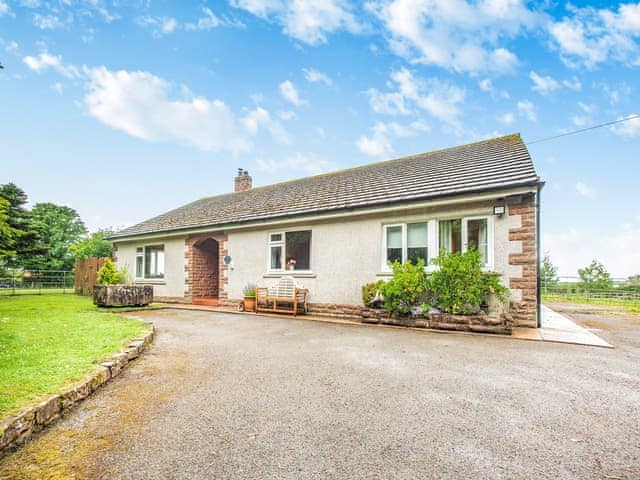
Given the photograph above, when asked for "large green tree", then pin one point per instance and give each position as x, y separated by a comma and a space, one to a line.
93, 245
14, 236
56, 228
8, 234
595, 277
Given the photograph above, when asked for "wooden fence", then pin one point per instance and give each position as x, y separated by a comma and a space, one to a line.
86, 275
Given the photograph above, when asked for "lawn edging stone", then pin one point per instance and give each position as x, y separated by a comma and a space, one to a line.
17, 430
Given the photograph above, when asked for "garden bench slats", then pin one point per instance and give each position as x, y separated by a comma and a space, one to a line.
284, 297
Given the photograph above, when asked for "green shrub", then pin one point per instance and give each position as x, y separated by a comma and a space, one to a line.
110, 275
407, 287
369, 291
459, 286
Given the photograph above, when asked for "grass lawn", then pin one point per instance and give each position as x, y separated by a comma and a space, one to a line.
631, 306
49, 342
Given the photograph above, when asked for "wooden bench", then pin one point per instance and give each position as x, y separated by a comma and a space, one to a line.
284, 297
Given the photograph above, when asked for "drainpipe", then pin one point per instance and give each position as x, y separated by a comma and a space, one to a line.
538, 303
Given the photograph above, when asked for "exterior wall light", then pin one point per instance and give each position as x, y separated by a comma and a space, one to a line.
499, 210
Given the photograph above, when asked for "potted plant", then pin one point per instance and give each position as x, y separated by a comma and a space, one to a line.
249, 292
112, 289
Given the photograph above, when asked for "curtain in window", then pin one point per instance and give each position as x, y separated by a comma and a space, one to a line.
394, 244
445, 235
417, 242
477, 237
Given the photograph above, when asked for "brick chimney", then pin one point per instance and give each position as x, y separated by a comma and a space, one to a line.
243, 181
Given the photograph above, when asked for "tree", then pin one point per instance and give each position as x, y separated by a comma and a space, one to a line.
548, 272
56, 228
8, 234
93, 246
595, 277
14, 238
634, 280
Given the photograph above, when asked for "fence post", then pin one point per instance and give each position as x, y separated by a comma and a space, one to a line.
13, 282
64, 282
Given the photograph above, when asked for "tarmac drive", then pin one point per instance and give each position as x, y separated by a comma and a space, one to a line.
235, 396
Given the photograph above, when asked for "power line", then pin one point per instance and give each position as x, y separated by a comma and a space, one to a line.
583, 129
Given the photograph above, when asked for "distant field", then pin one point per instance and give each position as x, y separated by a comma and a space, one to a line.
631, 304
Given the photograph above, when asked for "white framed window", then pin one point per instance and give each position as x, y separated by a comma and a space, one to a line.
290, 251
423, 239
405, 242
462, 234
150, 262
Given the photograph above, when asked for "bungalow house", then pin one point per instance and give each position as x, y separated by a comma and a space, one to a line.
337, 231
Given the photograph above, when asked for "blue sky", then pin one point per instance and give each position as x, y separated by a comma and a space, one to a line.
124, 110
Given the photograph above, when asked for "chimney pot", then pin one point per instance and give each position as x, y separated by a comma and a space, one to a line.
243, 181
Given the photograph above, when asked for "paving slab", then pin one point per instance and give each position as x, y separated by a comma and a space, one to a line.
559, 328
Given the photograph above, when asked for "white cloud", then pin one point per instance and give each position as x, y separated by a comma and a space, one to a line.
629, 128
590, 36
57, 87
260, 118
44, 61
290, 94
441, 100
378, 144
486, 85
507, 118
307, 163
573, 84
287, 115
159, 25
584, 118
12, 47
391, 103
208, 21
584, 190
527, 110
312, 75
543, 85
139, 104
50, 22
309, 21
455, 34
4, 8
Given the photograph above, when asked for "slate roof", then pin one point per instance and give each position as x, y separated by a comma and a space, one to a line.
494, 164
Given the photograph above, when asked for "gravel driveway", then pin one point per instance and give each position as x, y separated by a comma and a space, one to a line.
233, 396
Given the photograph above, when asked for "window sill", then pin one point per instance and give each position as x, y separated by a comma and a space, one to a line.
150, 281
290, 273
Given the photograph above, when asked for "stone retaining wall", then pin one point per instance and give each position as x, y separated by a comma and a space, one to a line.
15, 431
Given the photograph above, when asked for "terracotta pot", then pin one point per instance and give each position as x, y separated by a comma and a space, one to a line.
250, 304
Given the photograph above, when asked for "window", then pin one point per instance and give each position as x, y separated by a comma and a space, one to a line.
462, 234
477, 237
422, 240
290, 251
150, 262
404, 242
450, 235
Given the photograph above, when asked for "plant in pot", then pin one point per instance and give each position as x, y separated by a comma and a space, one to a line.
249, 292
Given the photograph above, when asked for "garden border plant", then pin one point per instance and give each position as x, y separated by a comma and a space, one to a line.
459, 288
